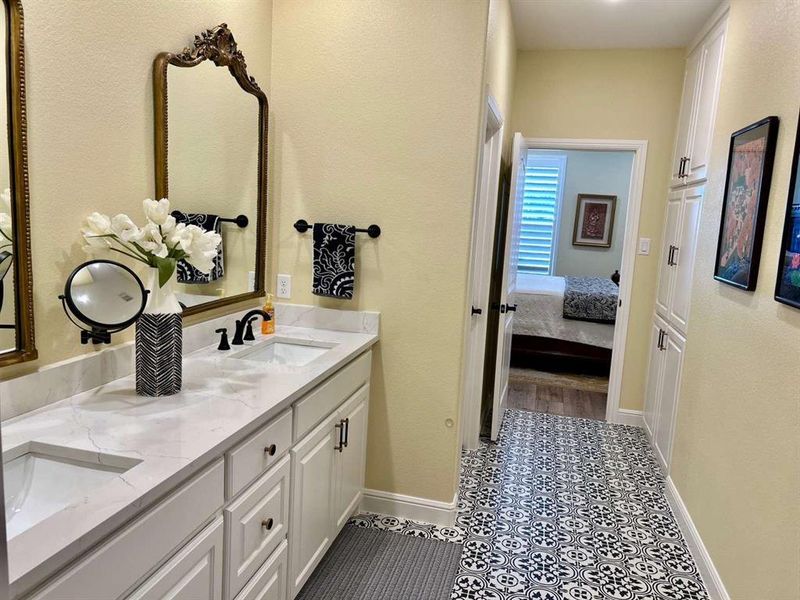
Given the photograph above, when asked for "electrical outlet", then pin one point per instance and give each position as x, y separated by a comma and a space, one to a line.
284, 286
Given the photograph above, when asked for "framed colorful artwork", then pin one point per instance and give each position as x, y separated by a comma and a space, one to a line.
787, 286
744, 206
594, 220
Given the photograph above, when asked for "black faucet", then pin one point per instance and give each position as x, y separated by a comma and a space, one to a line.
244, 321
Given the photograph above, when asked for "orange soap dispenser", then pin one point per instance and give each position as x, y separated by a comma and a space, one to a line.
268, 327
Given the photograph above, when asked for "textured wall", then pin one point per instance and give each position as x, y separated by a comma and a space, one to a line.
501, 63
377, 107
622, 94
736, 461
90, 114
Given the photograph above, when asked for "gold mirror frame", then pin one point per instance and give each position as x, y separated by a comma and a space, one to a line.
218, 46
18, 171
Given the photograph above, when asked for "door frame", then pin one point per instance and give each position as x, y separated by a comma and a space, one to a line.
629, 252
483, 224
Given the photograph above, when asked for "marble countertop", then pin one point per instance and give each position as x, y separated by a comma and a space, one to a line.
223, 400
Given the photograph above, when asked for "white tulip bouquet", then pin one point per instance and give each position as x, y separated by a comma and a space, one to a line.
160, 243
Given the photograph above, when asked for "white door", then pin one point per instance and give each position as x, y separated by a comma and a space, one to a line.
351, 461
684, 257
509, 283
653, 377
685, 118
666, 267
312, 498
673, 346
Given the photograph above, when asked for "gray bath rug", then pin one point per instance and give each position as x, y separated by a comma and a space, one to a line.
370, 564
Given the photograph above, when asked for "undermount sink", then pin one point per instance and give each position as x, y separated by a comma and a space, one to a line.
285, 352
42, 479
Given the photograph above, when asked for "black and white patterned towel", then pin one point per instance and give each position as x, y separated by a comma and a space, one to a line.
186, 272
590, 299
334, 260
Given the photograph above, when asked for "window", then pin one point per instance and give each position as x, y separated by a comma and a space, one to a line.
541, 198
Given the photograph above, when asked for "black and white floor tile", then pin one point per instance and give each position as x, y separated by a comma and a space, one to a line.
563, 509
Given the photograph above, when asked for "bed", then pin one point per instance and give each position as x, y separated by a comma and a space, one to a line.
544, 338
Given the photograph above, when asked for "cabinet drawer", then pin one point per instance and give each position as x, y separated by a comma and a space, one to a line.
115, 566
269, 582
195, 573
327, 397
258, 453
255, 524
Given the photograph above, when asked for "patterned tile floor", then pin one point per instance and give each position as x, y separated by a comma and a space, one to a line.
563, 509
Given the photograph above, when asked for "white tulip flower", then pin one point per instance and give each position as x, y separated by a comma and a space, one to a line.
152, 241
125, 229
156, 211
97, 224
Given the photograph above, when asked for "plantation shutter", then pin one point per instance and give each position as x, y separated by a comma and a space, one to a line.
538, 227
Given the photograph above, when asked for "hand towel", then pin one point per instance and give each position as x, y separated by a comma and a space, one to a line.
186, 272
334, 260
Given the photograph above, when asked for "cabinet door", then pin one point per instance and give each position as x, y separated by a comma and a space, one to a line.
668, 398
310, 529
666, 270
706, 106
653, 378
194, 573
351, 461
686, 115
684, 256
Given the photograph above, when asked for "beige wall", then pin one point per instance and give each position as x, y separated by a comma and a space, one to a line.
622, 94
736, 461
90, 124
501, 63
376, 108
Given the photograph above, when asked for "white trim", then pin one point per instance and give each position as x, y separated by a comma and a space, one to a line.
626, 416
720, 13
713, 582
639, 148
423, 510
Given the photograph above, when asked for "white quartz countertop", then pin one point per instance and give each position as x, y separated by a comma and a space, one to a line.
223, 400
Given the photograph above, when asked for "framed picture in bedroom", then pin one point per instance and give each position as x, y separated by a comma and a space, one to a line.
594, 220
744, 205
787, 286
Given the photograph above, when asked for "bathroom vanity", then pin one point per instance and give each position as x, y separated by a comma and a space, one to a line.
232, 489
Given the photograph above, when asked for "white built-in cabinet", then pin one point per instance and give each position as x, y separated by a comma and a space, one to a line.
254, 524
681, 227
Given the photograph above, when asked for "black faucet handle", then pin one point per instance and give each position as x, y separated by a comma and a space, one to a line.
223, 340
249, 333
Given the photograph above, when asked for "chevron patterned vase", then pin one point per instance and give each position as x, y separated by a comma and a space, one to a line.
159, 339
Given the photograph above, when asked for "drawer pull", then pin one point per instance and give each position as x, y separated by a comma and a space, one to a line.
270, 450
267, 524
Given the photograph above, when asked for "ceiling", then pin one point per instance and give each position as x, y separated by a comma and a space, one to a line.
585, 24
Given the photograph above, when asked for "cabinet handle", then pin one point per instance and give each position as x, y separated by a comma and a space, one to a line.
669, 256
346, 430
686, 166
675, 250
340, 427
680, 167
660, 338
270, 450
267, 524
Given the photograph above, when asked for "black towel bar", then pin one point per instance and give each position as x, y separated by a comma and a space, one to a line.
242, 221
373, 230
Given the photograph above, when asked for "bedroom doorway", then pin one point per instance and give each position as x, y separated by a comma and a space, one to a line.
572, 245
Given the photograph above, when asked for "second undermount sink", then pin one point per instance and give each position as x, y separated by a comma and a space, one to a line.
42, 479
285, 351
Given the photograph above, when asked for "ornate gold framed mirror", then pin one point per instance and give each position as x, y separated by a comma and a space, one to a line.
16, 279
211, 162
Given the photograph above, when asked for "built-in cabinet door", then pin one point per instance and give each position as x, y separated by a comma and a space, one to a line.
706, 106
683, 258
686, 116
311, 531
673, 347
653, 376
351, 460
666, 269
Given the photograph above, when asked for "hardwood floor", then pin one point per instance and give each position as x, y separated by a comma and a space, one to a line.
556, 399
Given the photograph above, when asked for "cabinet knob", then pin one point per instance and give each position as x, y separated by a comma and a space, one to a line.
267, 524
270, 450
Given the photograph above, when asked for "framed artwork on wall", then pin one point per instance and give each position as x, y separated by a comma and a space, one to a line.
787, 286
594, 220
744, 206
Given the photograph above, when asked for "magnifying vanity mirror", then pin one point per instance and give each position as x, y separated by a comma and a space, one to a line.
103, 297
211, 162
16, 291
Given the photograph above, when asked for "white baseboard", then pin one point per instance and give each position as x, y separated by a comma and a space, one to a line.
434, 512
714, 586
626, 416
